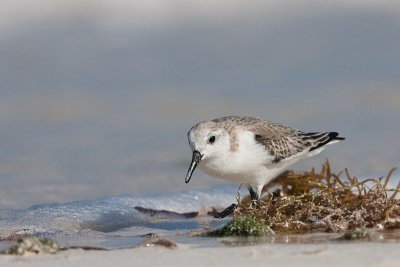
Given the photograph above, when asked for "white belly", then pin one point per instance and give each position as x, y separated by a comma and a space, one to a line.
249, 165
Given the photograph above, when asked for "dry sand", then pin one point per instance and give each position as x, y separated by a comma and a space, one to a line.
333, 254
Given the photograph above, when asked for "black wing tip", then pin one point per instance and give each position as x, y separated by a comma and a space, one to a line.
331, 137
335, 136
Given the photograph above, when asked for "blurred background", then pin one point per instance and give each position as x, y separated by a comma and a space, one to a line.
96, 97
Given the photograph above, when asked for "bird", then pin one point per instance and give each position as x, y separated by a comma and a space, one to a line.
251, 151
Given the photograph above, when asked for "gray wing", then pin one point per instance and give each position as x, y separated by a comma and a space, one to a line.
283, 142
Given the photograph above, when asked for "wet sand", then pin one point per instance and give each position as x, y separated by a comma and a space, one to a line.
349, 254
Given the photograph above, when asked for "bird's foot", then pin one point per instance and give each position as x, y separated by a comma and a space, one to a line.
229, 210
255, 203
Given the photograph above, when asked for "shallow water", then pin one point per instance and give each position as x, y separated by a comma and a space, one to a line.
113, 222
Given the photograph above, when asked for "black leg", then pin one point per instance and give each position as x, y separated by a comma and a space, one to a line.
255, 200
254, 196
226, 211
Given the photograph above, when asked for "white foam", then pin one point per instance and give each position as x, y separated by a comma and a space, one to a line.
109, 213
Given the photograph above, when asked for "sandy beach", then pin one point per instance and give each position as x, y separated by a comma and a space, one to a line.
352, 254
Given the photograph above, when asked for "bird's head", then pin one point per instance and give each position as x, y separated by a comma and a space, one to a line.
207, 141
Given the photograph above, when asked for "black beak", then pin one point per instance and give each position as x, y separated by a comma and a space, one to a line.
195, 161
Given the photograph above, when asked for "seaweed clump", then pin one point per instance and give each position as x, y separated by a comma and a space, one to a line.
355, 234
153, 240
32, 245
243, 226
325, 202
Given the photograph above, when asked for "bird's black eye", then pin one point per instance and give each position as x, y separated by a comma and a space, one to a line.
211, 139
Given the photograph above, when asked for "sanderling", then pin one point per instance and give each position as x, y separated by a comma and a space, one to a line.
250, 151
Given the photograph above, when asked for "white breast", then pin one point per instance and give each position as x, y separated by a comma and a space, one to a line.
247, 164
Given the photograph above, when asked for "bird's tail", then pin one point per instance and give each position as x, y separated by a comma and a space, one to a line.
318, 140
